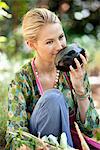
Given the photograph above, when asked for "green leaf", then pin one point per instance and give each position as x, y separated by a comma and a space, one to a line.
5, 13
3, 39
4, 5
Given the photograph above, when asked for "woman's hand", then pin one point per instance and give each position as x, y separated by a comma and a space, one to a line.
77, 79
77, 75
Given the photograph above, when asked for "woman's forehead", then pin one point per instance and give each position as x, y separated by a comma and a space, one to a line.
50, 31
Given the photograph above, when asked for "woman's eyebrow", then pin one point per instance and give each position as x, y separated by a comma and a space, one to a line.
49, 39
52, 38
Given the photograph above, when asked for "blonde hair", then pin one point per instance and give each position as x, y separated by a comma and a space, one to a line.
35, 19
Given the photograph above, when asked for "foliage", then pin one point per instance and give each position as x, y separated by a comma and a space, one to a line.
78, 17
73, 24
3, 11
3, 113
36, 143
6, 75
30, 140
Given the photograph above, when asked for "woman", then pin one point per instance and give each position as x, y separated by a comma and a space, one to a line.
40, 98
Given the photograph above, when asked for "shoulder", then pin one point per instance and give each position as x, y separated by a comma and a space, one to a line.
24, 76
25, 71
23, 79
25, 68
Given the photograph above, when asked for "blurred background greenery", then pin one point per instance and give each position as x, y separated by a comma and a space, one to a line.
81, 24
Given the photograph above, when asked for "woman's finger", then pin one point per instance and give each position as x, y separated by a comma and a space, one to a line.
77, 63
83, 59
84, 65
72, 70
86, 55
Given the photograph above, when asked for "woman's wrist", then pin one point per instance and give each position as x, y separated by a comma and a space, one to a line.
80, 91
81, 95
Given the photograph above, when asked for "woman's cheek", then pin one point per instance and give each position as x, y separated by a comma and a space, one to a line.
64, 42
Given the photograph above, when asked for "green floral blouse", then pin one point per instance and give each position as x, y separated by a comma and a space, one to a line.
23, 95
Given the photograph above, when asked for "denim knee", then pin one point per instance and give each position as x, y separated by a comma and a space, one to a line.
48, 110
54, 97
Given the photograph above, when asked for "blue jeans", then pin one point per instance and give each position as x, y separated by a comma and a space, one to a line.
51, 115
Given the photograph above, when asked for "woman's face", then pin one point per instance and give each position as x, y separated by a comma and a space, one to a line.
50, 41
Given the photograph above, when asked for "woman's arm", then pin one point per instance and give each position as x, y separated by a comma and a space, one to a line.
83, 100
17, 116
87, 116
83, 107
91, 116
77, 79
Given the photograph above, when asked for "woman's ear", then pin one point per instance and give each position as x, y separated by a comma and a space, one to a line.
31, 43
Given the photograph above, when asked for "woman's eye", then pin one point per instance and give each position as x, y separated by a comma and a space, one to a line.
49, 42
61, 36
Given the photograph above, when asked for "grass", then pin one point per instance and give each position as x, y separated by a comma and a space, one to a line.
3, 113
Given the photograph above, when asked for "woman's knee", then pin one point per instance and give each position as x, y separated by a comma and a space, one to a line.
54, 97
52, 101
48, 111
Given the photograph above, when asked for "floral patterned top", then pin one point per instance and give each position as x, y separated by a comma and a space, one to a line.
24, 93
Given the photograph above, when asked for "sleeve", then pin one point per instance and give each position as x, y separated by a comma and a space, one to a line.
17, 116
92, 120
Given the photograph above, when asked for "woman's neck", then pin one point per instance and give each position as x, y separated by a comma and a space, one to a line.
44, 67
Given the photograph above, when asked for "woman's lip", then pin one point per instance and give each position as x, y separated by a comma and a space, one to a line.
58, 51
55, 54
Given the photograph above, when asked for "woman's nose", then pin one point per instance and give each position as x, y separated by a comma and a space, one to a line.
59, 45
